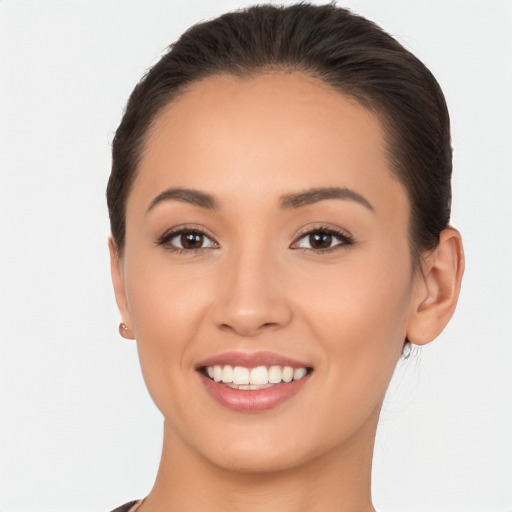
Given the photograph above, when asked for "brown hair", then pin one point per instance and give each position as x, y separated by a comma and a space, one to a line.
332, 44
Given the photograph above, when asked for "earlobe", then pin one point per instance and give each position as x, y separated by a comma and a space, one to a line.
438, 289
118, 282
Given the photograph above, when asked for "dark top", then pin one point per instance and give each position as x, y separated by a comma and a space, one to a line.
125, 507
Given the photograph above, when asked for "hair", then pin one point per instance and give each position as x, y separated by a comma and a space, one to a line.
332, 44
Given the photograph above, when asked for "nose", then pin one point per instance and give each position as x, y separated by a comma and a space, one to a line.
252, 298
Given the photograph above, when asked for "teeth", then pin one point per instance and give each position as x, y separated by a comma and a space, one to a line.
254, 378
275, 374
299, 373
240, 375
259, 375
227, 374
288, 374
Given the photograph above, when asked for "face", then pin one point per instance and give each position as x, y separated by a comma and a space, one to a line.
266, 246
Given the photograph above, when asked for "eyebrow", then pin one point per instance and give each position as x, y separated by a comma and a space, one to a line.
315, 195
186, 195
290, 201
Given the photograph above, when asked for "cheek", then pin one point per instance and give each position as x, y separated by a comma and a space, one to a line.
358, 312
167, 306
165, 299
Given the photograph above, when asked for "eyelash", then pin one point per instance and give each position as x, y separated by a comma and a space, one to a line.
344, 240
166, 238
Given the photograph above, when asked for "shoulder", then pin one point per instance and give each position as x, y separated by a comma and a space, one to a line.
127, 507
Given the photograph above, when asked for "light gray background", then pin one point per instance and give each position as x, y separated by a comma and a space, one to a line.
78, 431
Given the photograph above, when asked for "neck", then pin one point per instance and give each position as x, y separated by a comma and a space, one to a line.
338, 481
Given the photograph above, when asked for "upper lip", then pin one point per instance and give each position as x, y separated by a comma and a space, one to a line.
253, 360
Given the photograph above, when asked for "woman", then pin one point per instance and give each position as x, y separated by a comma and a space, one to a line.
279, 205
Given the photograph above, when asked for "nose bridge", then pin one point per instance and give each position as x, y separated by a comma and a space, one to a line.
251, 296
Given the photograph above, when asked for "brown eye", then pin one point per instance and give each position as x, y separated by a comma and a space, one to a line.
320, 240
187, 240
191, 240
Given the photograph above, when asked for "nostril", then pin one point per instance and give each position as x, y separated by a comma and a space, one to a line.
247, 316
248, 328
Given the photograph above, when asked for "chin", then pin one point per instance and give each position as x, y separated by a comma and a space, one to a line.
265, 449
255, 461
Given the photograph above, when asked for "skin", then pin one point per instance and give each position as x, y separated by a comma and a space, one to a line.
257, 285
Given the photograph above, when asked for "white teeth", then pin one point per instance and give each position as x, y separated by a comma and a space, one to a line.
275, 374
287, 373
299, 373
227, 374
254, 378
240, 375
259, 375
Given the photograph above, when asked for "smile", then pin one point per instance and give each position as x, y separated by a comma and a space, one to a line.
261, 377
253, 382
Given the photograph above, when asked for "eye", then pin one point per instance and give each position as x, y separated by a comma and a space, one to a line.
186, 240
322, 240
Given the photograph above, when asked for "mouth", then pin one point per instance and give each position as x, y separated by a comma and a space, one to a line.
260, 377
253, 382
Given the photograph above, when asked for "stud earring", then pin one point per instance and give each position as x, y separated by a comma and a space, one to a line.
406, 350
125, 332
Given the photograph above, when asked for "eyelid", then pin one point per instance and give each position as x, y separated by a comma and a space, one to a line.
344, 236
168, 235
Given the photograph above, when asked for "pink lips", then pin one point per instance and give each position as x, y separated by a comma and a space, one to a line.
252, 400
252, 360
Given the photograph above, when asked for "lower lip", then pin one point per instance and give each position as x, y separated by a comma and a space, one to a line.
253, 400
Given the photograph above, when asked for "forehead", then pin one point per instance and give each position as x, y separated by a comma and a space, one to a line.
276, 131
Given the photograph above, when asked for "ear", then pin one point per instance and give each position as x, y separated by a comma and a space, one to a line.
116, 270
437, 289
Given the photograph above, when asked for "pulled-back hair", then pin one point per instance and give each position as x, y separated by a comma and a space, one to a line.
347, 51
